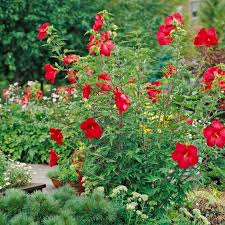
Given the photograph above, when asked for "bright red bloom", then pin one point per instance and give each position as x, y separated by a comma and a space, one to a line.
164, 34
104, 76
207, 38
104, 45
185, 155
86, 91
215, 134
153, 91
122, 101
98, 22
43, 31
209, 76
91, 128
39, 95
93, 45
53, 158
70, 59
72, 75
170, 70
50, 73
169, 20
56, 135
104, 86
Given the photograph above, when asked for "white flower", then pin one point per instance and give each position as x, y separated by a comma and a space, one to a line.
100, 189
139, 212
144, 216
132, 206
144, 197
135, 194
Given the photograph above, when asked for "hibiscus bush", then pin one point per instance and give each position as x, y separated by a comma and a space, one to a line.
156, 138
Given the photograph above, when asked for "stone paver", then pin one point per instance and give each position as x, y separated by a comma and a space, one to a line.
39, 175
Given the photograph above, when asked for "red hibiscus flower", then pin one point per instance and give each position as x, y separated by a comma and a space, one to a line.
185, 155
153, 91
56, 135
98, 22
104, 76
170, 70
207, 38
215, 134
53, 158
122, 101
50, 73
72, 75
43, 31
104, 86
209, 76
169, 20
39, 95
91, 128
104, 45
164, 35
86, 91
70, 59
93, 45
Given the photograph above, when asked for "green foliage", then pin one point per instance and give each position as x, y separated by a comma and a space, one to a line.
3, 219
63, 208
20, 20
53, 173
19, 23
93, 209
41, 206
64, 218
13, 202
22, 219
